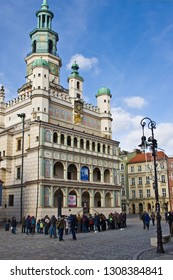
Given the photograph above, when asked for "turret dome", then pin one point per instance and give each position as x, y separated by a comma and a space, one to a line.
104, 91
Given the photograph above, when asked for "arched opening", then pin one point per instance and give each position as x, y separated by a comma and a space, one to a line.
97, 199
62, 139
109, 150
81, 143
78, 85
104, 149
96, 175
107, 176
85, 202
55, 137
93, 146
34, 46
50, 47
87, 145
72, 172
69, 141
58, 170
141, 208
108, 200
72, 199
84, 173
98, 147
75, 142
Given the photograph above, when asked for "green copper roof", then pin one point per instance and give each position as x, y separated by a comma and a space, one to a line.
75, 73
40, 62
104, 91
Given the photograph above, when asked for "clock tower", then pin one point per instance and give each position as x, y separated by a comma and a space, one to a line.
44, 45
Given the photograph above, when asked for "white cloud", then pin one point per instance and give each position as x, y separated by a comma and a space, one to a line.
128, 131
135, 101
84, 63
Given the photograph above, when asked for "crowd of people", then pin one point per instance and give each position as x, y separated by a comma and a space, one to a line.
72, 224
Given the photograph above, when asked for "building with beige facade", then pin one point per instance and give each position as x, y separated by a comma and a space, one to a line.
141, 183
56, 150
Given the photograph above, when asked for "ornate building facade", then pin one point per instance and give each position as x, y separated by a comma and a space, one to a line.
57, 151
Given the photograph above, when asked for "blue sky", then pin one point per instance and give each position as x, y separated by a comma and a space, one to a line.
125, 45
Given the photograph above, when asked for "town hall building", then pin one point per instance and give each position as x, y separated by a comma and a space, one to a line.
57, 154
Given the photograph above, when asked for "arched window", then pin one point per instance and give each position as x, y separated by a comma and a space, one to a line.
98, 147
69, 141
78, 85
47, 168
93, 146
62, 139
72, 172
75, 142
107, 176
55, 137
81, 143
87, 145
50, 46
58, 170
34, 45
104, 149
47, 135
96, 175
84, 173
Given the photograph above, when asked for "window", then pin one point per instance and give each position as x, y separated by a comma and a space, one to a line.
55, 137
132, 169
133, 194
147, 180
18, 175
140, 193
122, 179
140, 180
19, 144
122, 166
148, 193
139, 168
11, 200
78, 95
47, 136
164, 192
123, 192
3, 153
104, 100
78, 85
133, 181
163, 179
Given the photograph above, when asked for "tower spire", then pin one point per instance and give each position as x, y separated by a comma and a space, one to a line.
44, 5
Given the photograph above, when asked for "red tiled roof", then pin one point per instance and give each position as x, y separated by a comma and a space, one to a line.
143, 157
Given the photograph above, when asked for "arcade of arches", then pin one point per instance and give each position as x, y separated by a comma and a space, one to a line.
79, 199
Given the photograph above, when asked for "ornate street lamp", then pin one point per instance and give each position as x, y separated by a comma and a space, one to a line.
22, 116
152, 143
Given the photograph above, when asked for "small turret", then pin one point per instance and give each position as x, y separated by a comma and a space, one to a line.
75, 83
103, 102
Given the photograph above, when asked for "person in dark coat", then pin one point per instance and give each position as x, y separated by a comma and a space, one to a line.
13, 225
147, 220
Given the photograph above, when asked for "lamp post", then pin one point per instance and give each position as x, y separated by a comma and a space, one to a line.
152, 142
59, 198
22, 116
